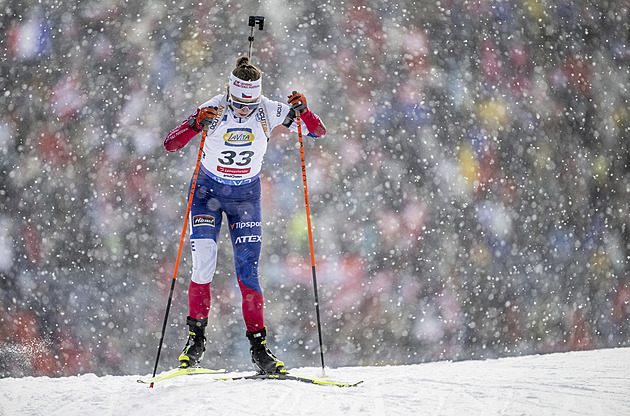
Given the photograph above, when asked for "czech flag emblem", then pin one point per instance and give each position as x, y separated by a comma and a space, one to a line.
246, 96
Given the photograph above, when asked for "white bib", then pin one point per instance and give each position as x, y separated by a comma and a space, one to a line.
233, 153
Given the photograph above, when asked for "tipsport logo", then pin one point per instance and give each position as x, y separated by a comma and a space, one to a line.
248, 224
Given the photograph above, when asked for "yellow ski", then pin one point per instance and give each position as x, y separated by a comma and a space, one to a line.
180, 372
303, 379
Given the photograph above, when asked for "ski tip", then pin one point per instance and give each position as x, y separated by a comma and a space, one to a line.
337, 383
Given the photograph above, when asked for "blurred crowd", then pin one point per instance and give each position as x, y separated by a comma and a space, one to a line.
471, 198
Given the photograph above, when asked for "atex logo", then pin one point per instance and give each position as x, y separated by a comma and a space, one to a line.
248, 239
203, 220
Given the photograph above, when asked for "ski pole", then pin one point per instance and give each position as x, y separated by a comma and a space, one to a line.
179, 251
253, 20
310, 241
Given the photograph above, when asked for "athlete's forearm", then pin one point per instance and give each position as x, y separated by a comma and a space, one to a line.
313, 123
179, 137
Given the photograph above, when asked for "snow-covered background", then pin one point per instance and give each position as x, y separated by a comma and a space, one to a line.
470, 201
578, 383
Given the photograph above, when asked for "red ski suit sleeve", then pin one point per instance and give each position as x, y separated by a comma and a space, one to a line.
180, 136
313, 123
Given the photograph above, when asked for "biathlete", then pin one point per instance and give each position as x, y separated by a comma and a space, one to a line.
239, 125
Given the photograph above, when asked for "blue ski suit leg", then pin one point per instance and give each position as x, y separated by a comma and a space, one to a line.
242, 207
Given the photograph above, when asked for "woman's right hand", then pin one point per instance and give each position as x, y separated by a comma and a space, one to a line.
205, 116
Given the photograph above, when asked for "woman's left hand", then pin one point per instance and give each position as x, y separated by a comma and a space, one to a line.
298, 102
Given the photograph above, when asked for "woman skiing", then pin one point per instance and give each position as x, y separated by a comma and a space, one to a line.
238, 125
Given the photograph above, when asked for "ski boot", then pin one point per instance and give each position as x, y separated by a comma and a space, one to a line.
196, 345
263, 359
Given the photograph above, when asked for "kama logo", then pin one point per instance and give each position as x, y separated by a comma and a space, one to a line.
203, 220
238, 137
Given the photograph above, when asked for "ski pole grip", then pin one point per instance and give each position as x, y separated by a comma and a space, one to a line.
296, 111
260, 20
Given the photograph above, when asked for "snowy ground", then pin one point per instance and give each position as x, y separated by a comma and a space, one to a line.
577, 383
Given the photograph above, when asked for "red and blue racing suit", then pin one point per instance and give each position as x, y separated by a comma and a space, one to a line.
228, 183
